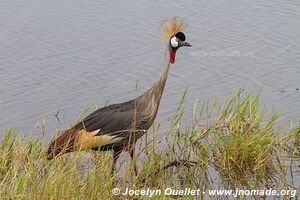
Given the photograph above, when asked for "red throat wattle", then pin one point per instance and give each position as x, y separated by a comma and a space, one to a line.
172, 57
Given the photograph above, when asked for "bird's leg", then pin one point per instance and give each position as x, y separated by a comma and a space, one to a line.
131, 152
116, 155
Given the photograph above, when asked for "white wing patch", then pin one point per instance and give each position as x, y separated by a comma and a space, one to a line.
88, 140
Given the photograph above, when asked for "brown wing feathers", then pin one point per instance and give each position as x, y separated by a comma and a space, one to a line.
63, 144
79, 139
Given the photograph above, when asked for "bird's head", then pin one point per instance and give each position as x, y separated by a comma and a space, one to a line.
177, 41
172, 31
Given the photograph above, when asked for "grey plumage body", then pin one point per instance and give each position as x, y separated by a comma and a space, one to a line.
129, 120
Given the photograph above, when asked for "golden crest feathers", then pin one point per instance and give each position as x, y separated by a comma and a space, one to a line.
171, 27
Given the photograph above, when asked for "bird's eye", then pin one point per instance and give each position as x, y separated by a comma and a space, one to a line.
174, 42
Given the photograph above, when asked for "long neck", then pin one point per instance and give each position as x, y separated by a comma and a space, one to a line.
159, 86
151, 99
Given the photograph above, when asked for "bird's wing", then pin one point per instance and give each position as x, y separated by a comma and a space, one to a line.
110, 120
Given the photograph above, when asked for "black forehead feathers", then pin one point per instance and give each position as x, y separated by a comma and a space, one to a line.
181, 36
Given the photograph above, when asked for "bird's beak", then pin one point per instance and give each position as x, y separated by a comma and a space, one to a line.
184, 44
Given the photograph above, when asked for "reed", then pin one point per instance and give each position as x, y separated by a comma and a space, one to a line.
226, 145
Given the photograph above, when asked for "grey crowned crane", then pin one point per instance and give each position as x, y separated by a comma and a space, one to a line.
117, 127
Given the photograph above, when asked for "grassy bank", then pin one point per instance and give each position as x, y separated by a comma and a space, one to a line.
236, 144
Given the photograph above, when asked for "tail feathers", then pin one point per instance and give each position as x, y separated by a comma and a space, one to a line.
63, 144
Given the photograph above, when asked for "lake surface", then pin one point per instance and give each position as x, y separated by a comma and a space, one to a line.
57, 55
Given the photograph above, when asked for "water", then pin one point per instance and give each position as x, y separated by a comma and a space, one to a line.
55, 55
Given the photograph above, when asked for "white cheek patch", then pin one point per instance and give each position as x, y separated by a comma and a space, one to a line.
174, 42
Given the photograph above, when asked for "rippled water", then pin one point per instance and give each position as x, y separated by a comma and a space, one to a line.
57, 54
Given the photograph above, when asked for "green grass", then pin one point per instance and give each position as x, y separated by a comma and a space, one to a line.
236, 144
